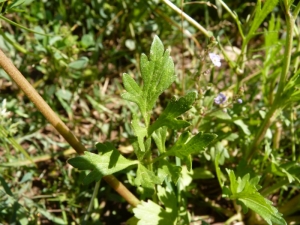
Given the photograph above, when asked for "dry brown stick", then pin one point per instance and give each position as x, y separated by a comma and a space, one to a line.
58, 124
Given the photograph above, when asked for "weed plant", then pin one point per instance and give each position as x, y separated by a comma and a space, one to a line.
210, 139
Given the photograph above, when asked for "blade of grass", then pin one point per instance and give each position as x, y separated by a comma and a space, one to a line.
16, 145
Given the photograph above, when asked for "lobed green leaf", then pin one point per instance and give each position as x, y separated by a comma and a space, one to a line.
184, 147
140, 132
174, 109
169, 171
149, 213
108, 162
146, 178
262, 13
157, 74
245, 191
159, 136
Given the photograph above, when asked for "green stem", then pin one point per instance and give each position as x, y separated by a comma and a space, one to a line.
288, 208
296, 10
86, 217
268, 120
22, 27
188, 18
178, 163
277, 104
275, 187
238, 69
293, 133
297, 60
235, 17
233, 218
58, 124
15, 144
13, 43
288, 52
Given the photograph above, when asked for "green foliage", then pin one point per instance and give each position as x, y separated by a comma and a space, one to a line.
109, 161
146, 179
245, 191
168, 142
152, 214
261, 13
186, 146
174, 109
157, 74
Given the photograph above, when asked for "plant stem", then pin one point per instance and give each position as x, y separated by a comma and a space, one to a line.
58, 124
296, 10
122, 190
287, 54
235, 17
86, 217
15, 144
22, 27
277, 104
293, 133
13, 43
188, 18
278, 185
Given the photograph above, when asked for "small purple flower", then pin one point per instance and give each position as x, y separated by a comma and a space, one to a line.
220, 99
240, 101
216, 59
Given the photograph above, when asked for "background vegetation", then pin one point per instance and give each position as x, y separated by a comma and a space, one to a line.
77, 68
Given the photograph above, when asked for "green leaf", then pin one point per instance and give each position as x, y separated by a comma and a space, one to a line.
220, 115
5, 186
17, 3
100, 107
157, 74
169, 171
291, 90
202, 173
284, 170
188, 161
184, 147
87, 40
271, 35
149, 213
218, 170
159, 137
79, 64
243, 126
146, 178
51, 217
134, 92
107, 163
262, 13
137, 150
219, 150
169, 201
293, 82
174, 109
140, 132
245, 191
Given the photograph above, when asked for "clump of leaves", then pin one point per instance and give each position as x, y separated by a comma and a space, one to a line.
245, 191
158, 173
